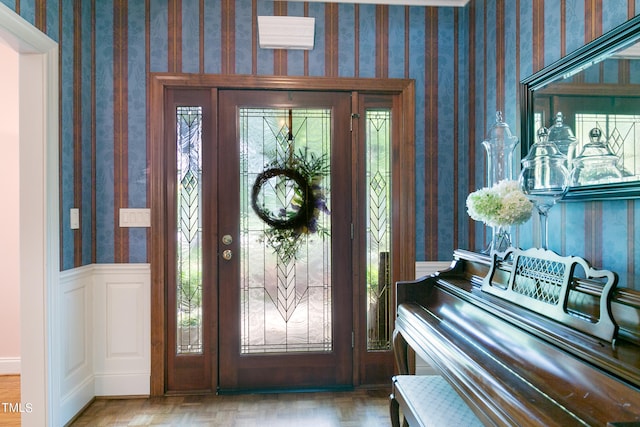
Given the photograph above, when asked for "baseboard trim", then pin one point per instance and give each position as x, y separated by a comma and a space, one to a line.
10, 366
134, 384
74, 402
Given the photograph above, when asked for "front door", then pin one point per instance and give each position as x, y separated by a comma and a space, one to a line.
259, 292
284, 240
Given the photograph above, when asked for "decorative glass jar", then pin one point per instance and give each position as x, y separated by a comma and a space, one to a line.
499, 146
596, 164
544, 178
562, 135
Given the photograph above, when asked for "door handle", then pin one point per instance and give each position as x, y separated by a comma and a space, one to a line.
227, 254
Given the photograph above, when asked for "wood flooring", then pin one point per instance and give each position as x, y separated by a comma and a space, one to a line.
9, 400
359, 408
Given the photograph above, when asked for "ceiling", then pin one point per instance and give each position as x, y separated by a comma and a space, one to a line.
456, 3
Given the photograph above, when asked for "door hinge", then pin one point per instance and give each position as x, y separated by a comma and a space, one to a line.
353, 339
352, 231
353, 116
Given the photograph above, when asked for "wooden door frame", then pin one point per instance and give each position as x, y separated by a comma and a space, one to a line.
403, 221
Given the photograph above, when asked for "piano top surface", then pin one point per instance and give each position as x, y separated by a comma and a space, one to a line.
504, 355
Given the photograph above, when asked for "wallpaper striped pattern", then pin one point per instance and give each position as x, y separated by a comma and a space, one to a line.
467, 63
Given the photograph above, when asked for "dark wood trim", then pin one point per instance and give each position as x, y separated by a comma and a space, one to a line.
500, 55
94, 174
382, 41
201, 53
331, 40
147, 66
592, 20
279, 55
563, 28
431, 134
254, 39
306, 52
358, 246
471, 105
228, 42
157, 199
41, 15
120, 127
77, 128
538, 31
456, 133
404, 185
174, 34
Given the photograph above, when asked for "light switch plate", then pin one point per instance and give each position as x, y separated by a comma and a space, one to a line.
135, 217
74, 218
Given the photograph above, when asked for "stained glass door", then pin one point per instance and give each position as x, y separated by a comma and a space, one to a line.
284, 236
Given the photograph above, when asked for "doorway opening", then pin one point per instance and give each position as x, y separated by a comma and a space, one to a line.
259, 282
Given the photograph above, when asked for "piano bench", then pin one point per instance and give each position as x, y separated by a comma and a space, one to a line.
428, 400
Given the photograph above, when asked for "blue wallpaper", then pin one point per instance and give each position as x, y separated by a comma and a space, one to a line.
137, 126
66, 127
472, 32
104, 133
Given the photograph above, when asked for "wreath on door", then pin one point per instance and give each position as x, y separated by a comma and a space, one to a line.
289, 198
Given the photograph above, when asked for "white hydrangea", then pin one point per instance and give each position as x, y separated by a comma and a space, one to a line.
503, 204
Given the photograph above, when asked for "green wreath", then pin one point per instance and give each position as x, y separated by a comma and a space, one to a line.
286, 227
302, 213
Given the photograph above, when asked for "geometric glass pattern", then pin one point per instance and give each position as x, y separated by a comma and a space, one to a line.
621, 132
539, 279
189, 227
378, 227
285, 301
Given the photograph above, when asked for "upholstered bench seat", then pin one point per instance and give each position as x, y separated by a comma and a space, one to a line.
429, 400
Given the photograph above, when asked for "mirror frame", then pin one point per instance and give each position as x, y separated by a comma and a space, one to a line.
582, 58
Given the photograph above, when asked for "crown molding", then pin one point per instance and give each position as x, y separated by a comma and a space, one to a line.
445, 3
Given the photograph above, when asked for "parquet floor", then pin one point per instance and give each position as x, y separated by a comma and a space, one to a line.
9, 396
359, 408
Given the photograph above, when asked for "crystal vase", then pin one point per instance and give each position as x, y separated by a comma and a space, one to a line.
544, 178
499, 147
500, 239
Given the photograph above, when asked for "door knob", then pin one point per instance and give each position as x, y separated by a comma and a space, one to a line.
227, 254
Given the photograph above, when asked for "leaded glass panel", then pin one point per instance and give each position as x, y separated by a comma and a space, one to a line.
378, 227
285, 265
621, 133
189, 230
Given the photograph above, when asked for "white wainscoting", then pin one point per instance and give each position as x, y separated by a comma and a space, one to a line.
105, 331
424, 268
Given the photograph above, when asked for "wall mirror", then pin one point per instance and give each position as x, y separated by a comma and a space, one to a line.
595, 87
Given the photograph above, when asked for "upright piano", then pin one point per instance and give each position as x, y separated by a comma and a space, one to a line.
526, 337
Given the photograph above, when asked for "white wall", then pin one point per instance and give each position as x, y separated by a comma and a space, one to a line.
10, 214
105, 334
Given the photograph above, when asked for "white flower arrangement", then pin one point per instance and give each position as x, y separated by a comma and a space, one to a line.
501, 205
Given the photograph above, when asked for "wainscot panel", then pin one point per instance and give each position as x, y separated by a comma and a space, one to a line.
105, 330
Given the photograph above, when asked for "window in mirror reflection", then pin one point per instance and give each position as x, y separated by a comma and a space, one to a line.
621, 133
538, 120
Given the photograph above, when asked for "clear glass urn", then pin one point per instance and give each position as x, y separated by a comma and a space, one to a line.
562, 135
544, 178
596, 164
499, 146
